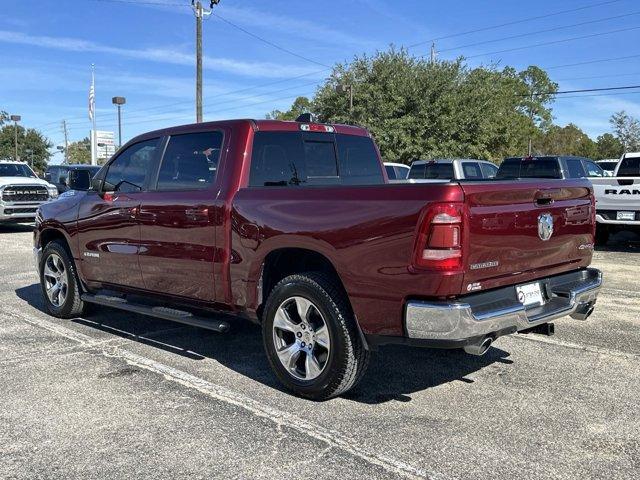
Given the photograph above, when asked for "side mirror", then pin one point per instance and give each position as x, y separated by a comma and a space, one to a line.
80, 180
96, 184
63, 181
47, 177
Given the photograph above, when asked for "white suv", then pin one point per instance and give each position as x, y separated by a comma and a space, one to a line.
22, 192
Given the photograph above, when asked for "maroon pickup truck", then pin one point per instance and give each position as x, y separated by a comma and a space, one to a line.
295, 226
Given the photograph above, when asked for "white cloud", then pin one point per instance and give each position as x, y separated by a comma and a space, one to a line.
161, 55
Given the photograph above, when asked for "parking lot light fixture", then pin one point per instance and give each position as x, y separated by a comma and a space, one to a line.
15, 119
118, 102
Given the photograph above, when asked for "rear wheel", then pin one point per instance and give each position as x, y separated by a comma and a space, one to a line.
59, 282
311, 338
602, 234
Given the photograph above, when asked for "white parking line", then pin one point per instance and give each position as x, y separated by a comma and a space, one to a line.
332, 438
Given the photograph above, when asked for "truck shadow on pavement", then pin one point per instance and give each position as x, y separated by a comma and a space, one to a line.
394, 372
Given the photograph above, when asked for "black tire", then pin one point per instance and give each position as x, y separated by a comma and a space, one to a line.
347, 359
602, 234
72, 306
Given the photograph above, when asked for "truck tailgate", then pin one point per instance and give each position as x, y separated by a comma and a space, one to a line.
506, 227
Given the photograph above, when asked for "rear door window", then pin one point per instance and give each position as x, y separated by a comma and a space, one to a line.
391, 172
297, 158
593, 169
190, 161
489, 170
432, 170
471, 170
575, 168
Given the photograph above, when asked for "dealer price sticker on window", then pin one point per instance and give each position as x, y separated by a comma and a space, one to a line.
529, 294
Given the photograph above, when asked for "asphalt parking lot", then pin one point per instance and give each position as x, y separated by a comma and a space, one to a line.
115, 395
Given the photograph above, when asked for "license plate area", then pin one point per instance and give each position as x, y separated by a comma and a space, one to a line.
530, 294
626, 215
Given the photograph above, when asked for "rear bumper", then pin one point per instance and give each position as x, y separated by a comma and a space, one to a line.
498, 312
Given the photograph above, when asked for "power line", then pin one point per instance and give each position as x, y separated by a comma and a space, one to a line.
553, 42
590, 62
604, 89
538, 32
515, 22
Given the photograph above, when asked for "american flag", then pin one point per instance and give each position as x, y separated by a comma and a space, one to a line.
92, 98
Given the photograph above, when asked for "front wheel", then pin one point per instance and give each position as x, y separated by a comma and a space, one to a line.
59, 282
311, 338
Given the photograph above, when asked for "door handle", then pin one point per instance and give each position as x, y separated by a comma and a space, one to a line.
130, 212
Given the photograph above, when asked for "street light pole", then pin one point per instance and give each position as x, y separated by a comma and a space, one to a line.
118, 102
16, 119
200, 13
341, 89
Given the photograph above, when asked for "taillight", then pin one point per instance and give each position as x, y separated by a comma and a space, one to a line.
439, 241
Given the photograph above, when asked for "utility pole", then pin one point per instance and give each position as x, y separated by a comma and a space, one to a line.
200, 13
66, 141
118, 102
531, 118
434, 54
15, 119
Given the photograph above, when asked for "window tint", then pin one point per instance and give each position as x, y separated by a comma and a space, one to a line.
53, 174
190, 161
129, 171
320, 162
432, 170
358, 161
546, 167
401, 172
15, 170
611, 166
489, 170
575, 168
471, 170
593, 170
296, 158
391, 172
629, 167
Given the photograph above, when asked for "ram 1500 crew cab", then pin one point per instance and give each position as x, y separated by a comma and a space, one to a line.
22, 192
295, 226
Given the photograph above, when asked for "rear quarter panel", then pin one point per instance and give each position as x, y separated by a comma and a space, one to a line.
367, 233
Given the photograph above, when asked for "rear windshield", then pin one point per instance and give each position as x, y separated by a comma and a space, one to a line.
608, 165
309, 158
546, 167
629, 167
434, 171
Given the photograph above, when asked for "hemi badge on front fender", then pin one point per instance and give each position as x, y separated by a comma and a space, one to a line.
478, 266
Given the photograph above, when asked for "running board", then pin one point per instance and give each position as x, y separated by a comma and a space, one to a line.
165, 313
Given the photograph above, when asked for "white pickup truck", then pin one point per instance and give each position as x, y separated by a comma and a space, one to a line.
22, 192
618, 198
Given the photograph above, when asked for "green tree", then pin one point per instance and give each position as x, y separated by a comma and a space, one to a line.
627, 130
568, 140
4, 117
300, 105
419, 109
608, 146
28, 139
80, 151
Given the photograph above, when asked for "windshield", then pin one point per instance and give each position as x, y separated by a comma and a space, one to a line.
15, 170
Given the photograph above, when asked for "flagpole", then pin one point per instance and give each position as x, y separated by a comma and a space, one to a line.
92, 113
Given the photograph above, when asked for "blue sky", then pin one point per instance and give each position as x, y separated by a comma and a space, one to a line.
145, 53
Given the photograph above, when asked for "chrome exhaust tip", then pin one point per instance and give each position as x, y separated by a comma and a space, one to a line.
480, 348
583, 311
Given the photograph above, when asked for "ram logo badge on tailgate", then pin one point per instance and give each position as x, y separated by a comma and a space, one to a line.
545, 226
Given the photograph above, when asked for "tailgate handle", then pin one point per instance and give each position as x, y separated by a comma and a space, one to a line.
544, 201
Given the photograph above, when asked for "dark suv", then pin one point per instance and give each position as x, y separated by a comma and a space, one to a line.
61, 175
553, 166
